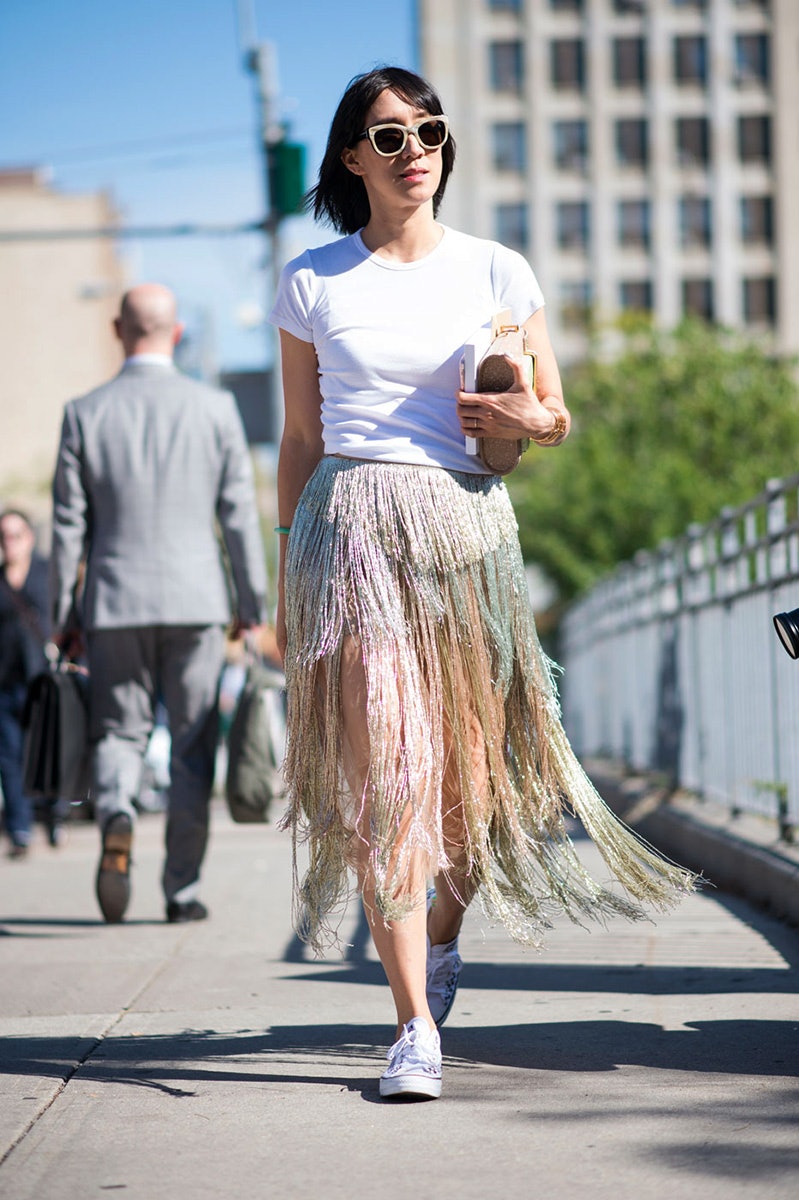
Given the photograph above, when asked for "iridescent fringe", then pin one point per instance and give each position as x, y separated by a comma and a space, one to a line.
422, 566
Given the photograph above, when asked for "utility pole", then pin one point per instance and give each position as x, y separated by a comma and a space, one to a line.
284, 189
283, 166
261, 61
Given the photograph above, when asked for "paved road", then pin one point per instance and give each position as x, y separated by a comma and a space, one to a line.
212, 1060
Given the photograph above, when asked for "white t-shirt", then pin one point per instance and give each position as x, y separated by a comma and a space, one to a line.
389, 337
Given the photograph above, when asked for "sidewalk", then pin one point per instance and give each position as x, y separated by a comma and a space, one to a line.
212, 1061
740, 853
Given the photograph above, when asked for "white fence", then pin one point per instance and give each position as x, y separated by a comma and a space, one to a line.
672, 664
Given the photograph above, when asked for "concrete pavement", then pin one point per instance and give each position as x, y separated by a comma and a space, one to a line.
212, 1060
740, 852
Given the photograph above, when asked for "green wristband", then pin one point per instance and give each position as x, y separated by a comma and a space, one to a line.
283, 529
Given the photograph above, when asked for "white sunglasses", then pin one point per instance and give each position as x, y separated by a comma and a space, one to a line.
389, 139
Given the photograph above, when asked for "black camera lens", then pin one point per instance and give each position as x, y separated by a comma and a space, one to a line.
787, 626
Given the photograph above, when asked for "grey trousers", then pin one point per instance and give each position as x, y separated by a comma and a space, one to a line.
129, 670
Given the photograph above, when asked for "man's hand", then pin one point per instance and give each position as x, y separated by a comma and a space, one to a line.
251, 630
71, 643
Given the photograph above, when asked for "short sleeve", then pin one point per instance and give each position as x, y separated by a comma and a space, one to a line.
515, 285
293, 306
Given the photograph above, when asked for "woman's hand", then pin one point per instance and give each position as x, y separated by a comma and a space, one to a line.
522, 411
517, 413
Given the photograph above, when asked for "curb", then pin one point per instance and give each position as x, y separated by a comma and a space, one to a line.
764, 876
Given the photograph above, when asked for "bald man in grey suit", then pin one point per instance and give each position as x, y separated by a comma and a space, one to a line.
153, 477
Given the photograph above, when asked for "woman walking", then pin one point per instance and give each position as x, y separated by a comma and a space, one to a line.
24, 631
424, 738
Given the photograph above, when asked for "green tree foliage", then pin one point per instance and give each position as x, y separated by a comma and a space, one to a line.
669, 431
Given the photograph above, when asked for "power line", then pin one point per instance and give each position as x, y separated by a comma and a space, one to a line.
130, 232
142, 146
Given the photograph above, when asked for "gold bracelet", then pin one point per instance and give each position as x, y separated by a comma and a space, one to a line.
556, 432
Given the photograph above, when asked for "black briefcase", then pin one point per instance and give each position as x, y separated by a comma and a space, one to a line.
56, 723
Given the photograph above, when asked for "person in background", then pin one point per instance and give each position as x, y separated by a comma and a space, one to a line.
23, 634
424, 740
153, 488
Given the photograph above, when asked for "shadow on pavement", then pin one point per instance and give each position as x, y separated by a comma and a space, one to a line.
540, 976
282, 1054
740, 1160
356, 952
349, 1058
37, 927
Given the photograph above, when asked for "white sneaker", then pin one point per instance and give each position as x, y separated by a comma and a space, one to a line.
414, 1063
443, 974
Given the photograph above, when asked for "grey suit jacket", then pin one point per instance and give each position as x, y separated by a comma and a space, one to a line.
151, 467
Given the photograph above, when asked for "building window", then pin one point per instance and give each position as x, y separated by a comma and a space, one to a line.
751, 59
575, 303
511, 224
629, 62
635, 295
754, 139
700, 4
571, 145
567, 5
757, 220
506, 66
632, 142
629, 6
572, 217
760, 301
693, 141
505, 5
697, 298
567, 64
509, 146
695, 221
690, 60
633, 223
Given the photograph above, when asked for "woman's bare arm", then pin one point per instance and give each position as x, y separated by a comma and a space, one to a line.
301, 446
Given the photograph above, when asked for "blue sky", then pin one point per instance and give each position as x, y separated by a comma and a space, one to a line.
151, 103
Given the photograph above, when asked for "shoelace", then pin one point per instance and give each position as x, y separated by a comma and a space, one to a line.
410, 1047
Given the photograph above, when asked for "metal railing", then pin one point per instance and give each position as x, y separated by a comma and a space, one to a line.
672, 664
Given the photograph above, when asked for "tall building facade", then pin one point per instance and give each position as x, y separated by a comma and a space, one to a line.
57, 301
643, 154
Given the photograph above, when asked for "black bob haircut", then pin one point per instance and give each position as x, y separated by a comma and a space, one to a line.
340, 197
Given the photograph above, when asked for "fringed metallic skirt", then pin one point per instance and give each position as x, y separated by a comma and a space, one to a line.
424, 728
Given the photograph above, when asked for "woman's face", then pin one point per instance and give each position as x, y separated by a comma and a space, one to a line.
408, 179
17, 540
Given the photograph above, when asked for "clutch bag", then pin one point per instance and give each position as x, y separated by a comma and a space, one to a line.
495, 374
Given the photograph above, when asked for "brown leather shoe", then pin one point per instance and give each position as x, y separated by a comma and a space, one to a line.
113, 873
